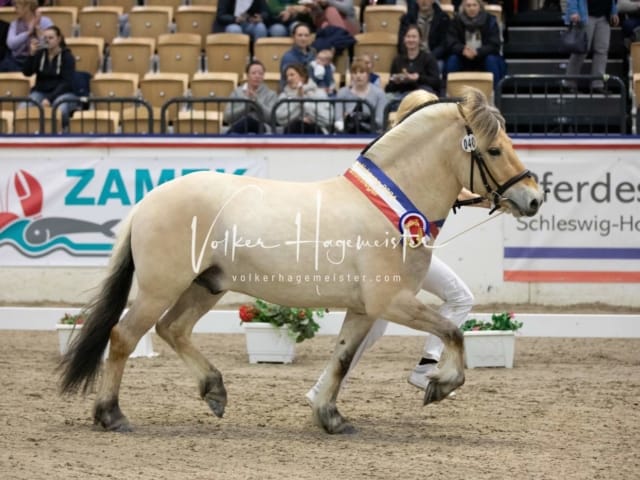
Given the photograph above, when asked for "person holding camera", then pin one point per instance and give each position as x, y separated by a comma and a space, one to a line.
27, 26
54, 66
353, 117
414, 68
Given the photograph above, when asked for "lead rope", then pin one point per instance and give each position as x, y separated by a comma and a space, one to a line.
451, 239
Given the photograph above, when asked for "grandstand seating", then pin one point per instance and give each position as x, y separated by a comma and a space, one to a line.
132, 55
158, 88
227, 52
149, 21
213, 84
103, 22
483, 81
126, 5
269, 50
197, 122
14, 84
7, 14
94, 122
383, 18
65, 18
381, 46
196, 19
88, 52
179, 53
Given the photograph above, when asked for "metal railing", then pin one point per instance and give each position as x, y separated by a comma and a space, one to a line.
563, 105
17, 119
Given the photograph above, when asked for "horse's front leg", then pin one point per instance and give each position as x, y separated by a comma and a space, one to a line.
407, 310
325, 412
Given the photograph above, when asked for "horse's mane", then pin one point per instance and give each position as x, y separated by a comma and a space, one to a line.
484, 119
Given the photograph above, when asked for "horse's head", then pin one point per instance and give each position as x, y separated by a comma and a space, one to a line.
500, 177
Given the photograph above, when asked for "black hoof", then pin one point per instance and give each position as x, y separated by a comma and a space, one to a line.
332, 421
109, 416
213, 392
433, 393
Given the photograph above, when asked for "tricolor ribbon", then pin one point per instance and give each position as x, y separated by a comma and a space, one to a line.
392, 202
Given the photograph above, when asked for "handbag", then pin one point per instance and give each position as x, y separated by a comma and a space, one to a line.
574, 39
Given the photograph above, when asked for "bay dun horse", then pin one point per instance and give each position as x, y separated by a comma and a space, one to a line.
192, 239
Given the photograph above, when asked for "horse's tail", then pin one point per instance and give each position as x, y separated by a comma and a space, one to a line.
81, 363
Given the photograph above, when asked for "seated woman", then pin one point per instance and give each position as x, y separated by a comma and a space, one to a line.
349, 119
335, 13
54, 67
474, 41
254, 89
28, 25
414, 68
299, 117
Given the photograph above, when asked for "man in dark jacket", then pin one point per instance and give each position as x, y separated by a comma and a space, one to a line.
433, 24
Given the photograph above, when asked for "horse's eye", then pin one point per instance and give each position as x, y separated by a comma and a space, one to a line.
494, 151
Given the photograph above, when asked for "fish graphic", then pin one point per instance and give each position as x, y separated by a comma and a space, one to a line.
44, 229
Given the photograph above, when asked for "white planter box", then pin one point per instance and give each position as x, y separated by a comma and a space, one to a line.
268, 344
489, 348
66, 333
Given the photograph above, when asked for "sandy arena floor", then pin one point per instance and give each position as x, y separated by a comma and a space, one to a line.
570, 409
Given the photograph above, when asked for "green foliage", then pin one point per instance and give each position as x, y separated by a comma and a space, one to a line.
69, 319
499, 321
299, 321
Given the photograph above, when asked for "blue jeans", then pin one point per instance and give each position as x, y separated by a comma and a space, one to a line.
65, 108
254, 30
491, 63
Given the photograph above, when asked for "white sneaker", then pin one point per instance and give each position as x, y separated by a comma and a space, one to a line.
311, 395
418, 377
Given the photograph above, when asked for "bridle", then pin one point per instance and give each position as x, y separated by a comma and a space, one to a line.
469, 144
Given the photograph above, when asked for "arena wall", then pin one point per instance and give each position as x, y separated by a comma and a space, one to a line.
478, 255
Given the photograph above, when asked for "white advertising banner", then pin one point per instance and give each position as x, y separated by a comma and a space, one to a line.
59, 212
588, 230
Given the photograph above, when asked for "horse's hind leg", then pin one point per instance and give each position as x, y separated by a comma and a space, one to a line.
175, 328
143, 313
325, 412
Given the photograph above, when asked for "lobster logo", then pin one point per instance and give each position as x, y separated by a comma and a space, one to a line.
29, 193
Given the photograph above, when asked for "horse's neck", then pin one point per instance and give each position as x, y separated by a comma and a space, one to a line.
421, 164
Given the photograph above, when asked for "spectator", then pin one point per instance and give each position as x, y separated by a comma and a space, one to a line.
312, 117
413, 68
321, 71
352, 118
596, 16
29, 24
474, 41
335, 13
254, 89
433, 24
281, 16
54, 67
301, 52
373, 76
242, 16
631, 21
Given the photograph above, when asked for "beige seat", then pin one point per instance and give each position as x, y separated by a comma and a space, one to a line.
211, 3
213, 84
132, 55
6, 123
103, 22
91, 122
158, 88
135, 120
27, 121
179, 53
635, 57
227, 52
197, 122
114, 84
196, 19
79, 4
87, 52
383, 18
483, 81
173, 4
126, 5
150, 21
7, 14
496, 11
14, 84
381, 46
272, 80
65, 18
269, 50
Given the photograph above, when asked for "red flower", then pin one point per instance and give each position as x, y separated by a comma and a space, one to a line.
247, 313
302, 314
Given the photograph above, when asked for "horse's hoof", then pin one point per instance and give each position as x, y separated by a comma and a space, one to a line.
216, 407
109, 416
432, 394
